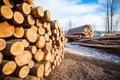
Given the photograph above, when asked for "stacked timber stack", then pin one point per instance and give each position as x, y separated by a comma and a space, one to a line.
30, 43
80, 32
107, 42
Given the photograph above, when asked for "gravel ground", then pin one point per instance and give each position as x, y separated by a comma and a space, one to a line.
77, 67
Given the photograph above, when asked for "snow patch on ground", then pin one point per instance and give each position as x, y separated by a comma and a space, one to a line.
91, 52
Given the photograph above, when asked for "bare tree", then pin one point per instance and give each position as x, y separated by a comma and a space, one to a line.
111, 9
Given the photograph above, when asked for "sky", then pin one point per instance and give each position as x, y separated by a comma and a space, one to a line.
78, 12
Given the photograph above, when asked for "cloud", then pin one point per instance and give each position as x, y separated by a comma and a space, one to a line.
74, 10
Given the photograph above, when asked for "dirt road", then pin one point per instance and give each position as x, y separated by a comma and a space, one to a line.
76, 67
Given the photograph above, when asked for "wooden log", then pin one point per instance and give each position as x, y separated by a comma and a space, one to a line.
29, 35
41, 31
48, 47
18, 32
39, 56
34, 28
31, 64
5, 13
33, 49
48, 27
23, 41
13, 48
74, 36
37, 70
49, 33
21, 1
1, 57
17, 18
52, 57
24, 8
45, 25
2, 44
54, 24
6, 29
29, 20
37, 12
11, 78
100, 46
47, 68
40, 42
39, 23
79, 30
23, 58
48, 56
46, 37
7, 67
35, 78
21, 72
9, 3
31, 77
113, 37
47, 16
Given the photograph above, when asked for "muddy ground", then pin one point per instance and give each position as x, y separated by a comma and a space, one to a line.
77, 67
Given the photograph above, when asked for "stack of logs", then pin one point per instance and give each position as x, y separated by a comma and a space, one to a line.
30, 43
107, 42
80, 32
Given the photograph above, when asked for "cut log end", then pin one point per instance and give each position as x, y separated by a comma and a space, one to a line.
31, 35
37, 12
9, 3
39, 56
1, 57
17, 48
24, 58
6, 29
40, 42
6, 12
24, 71
2, 44
17, 18
9, 67
26, 8
31, 64
40, 71
19, 32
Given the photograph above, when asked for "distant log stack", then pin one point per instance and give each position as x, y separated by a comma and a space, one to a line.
109, 42
80, 32
30, 42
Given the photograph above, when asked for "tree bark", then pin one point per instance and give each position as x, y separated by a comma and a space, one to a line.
37, 12
22, 71
29, 21
37, 70
24, 8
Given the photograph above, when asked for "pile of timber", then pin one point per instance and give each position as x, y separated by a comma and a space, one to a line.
111, 42
30, 42
78, 33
